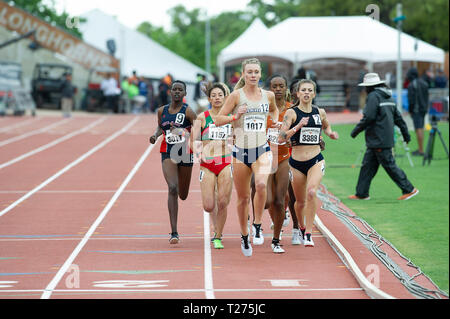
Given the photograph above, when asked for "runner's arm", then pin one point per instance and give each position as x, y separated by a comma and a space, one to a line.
285, 132
326, 126
158, 130
273, 109
223, 118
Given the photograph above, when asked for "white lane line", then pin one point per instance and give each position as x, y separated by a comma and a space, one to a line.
145, 191
38, 131
185, 290
14, 126
51, 286
55, 142
209, 290
68, 167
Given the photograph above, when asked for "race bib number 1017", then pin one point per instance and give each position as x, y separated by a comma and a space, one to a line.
255, 123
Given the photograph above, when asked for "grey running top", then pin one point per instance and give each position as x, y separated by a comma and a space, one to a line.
250, 129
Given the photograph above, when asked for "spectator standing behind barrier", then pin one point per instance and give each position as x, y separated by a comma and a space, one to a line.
440, 81
362, 92
428, 77
163, 87
126, 101
111, 92
67, 95
134, 79
133, 95
301, 75
143, 91
379, 117
199, 96
418, 99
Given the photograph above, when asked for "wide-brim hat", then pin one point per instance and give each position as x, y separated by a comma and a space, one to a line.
371, 79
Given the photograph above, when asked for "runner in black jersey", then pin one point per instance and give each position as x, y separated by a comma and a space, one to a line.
174, 123
302, 125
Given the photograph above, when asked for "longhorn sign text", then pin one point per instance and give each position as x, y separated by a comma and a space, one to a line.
72, 22
374, 11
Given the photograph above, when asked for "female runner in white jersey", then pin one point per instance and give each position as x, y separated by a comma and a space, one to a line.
303, 124
250, 106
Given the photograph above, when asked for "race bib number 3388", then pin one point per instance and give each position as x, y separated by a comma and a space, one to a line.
309, 135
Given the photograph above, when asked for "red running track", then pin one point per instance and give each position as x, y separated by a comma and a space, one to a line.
84, 215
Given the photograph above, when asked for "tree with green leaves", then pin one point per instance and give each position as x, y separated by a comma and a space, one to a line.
426, 20
187, 36
47, 12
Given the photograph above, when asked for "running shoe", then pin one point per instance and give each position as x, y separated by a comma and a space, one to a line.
276, 247
174, 238
297, 237
357, 197
257, 235
414, 192
245, 246
217, 243
287, 217
308, 240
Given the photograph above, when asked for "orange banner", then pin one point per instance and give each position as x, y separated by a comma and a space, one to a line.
54, 38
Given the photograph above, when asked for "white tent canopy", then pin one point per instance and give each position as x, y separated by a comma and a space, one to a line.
255, 41
300, 39
135, 50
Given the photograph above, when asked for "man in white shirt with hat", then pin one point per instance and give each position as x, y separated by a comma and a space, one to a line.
380, 117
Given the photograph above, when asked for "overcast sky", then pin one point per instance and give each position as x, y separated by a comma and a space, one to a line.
132, 12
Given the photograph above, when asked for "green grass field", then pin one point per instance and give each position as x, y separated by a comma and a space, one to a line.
418, 227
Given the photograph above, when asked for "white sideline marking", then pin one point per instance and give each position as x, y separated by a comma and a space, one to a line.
68, 167
51, 286
368, 287
40, 130
209, 290
183, 290
53, 143
96, 191
285, 282
13, 126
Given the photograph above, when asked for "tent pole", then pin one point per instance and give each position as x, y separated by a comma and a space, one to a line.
221, 66
208, 46
399, 20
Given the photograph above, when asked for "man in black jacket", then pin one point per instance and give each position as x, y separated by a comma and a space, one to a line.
418, 99
379, 118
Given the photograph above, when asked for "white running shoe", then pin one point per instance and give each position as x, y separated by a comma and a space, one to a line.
257, 235
276, 247
245, 246
297, 237
287, 217
308, 240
